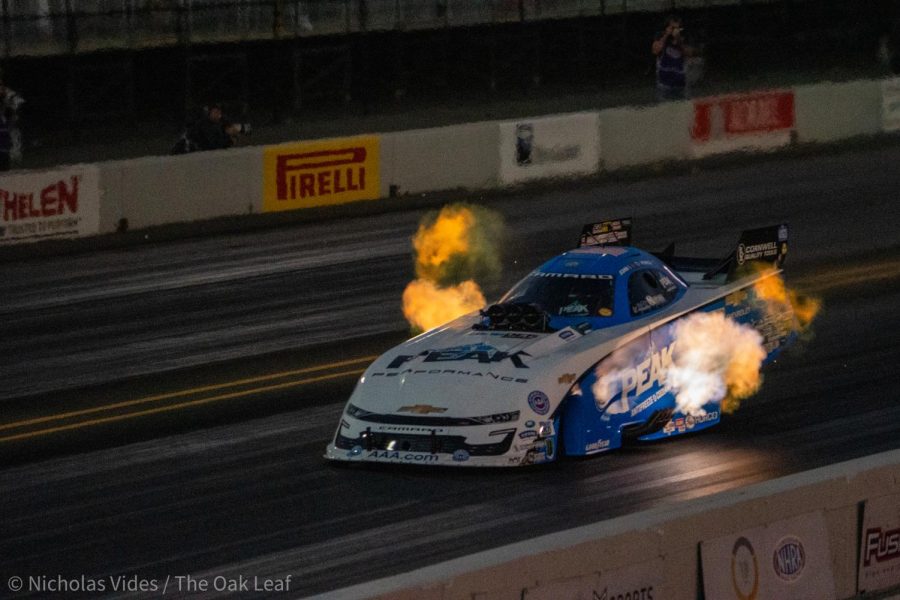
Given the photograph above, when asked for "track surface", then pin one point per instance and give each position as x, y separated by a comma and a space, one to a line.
236, 485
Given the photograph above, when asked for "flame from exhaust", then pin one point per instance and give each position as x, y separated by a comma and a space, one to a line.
426, 306
715, 359
773, 291
453, 247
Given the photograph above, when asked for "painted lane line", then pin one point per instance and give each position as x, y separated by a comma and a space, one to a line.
180, 405
187, 392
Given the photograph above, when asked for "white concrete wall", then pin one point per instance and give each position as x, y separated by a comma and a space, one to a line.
170, 189
425, 160
828, 112
632, 136
672, 533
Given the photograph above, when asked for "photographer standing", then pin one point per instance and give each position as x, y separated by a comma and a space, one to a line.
671, 66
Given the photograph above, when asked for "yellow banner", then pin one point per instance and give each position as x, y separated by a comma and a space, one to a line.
320, 173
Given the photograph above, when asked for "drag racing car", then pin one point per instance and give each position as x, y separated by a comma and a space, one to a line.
571, 361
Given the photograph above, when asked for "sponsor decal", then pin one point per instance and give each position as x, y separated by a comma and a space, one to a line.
409, 429
547, 147
644, 593
756, 251
567, 379
355, 451
513, 335
692, 421
539, 402
598, 445
881, 546
633, 382
529, 423
744, 570
742, 114
490, 375
320, 173
782, 233
528, 434
482, 353
50, 205
460, 455
422, 409
789, 558
402, 457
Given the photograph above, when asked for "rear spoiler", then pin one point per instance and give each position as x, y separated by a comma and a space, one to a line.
615, 232
765, 245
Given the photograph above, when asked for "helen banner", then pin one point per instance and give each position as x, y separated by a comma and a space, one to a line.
57, 204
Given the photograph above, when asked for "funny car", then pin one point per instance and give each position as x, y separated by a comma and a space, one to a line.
571, 361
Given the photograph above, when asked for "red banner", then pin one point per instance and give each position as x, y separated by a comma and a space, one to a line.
742, 114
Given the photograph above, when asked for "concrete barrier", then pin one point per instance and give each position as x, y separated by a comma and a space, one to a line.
827, 112
171, 189
425, 160
636, 136
671, 533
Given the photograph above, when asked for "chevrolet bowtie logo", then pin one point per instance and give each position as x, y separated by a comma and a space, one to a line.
422, 409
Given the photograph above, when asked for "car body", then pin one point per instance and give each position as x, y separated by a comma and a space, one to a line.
516, 383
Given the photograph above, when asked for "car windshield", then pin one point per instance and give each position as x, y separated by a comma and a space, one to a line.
565, 295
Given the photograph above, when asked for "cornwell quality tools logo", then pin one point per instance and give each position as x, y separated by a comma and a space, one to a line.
422, 409
320, 173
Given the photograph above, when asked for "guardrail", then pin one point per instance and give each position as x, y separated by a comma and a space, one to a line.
47, 27
826, 534
86, 200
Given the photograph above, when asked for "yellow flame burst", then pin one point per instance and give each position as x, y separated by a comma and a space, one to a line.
426, 306
775, 292
452, 249
438, 243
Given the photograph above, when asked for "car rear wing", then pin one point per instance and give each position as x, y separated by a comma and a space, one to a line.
755, 248
615, 232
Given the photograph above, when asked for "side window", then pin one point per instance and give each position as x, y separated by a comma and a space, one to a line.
650, 289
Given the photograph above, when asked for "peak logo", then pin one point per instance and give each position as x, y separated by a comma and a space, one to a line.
320, 173
482, 353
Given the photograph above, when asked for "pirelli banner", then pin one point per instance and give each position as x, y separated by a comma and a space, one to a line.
754, 121
57, 204
320, 173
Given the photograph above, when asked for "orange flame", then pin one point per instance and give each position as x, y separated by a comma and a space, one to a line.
440, 242
776, 294
426, 306
452, 249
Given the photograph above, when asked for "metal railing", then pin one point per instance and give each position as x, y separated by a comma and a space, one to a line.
47, 27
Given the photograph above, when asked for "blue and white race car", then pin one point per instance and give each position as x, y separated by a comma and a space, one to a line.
574, 360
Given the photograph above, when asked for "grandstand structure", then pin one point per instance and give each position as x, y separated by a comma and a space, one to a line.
80, 61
